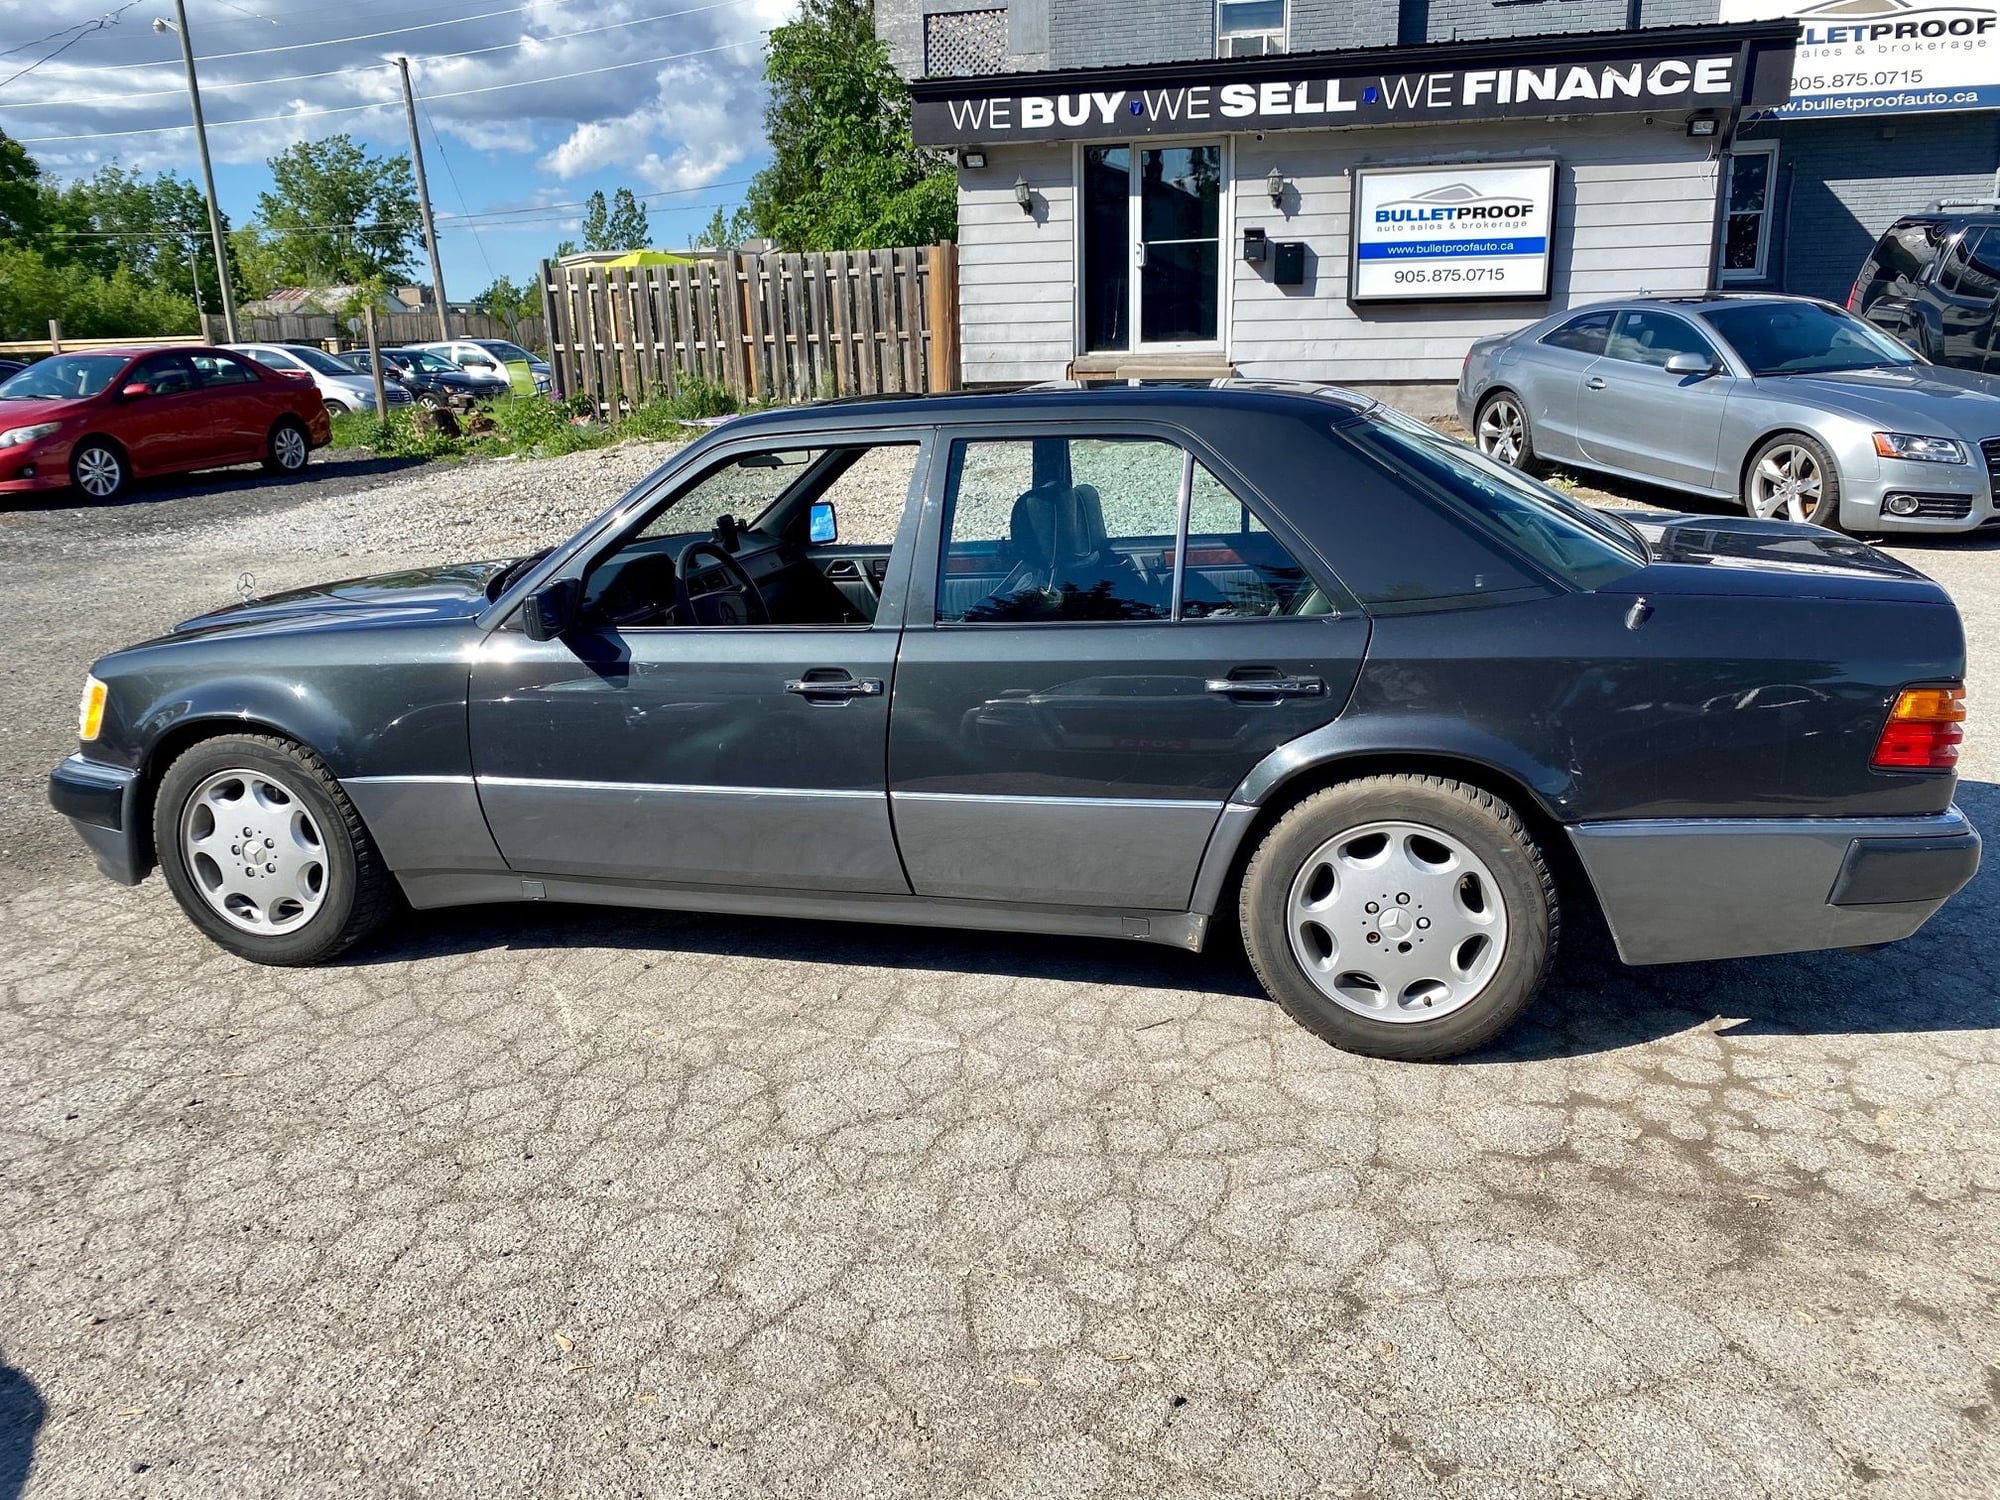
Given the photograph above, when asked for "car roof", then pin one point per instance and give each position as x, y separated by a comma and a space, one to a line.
1692, 301
135, 351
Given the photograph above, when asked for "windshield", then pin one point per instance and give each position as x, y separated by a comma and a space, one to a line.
1803, 338
314, 359
504, 349
66, 375
423, 359
1565, 536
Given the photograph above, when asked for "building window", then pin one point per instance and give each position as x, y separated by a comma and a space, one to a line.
1251, 28
1746, 223
960, 43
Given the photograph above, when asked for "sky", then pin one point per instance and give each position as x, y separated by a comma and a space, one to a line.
525, 108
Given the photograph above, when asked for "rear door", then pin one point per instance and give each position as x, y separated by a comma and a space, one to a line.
1637, 417
242, 406
1086, 674
170, 427
1967, 292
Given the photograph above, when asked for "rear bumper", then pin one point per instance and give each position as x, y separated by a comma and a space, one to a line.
101, 803
1677, 889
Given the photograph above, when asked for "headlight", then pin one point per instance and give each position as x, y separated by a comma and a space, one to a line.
90, 713
14, 437
1929, 450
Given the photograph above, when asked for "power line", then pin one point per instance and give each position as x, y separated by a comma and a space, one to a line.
331, 41
82, 30
258, 83
464, 207
348, 109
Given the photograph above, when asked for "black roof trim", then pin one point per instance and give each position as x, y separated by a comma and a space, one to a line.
1577, 46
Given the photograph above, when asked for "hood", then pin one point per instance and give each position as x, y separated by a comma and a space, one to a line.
421, 596
1717, 555
1963, 401
40, 409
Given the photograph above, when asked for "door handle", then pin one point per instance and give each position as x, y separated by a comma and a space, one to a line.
1595, 383
1267, 687
835, 689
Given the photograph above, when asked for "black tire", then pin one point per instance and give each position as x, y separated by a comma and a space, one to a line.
289, 448
358, 891
1293, 854
99, 469
336, 409
432, 401
1488, 416
1753, 493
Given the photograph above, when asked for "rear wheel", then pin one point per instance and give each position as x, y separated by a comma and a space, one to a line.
1792, 478
264, 852
1502, 432
1408, 917
98, 469
290, 447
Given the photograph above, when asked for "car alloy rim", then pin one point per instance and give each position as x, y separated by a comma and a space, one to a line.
255, 852
1502, 431
98, 471
1786, 482
1397, 921
291, 448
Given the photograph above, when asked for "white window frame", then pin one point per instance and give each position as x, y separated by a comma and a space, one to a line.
1760, 270
1282, 33
1225, 268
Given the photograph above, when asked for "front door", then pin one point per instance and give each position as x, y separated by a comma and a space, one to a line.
1152, 247
1636, 416
687, 733
170, 427
1086, 677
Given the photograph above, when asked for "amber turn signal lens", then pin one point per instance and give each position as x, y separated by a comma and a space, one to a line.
1924, 731
90, 714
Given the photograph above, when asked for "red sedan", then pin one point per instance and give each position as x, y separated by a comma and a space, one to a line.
101, 419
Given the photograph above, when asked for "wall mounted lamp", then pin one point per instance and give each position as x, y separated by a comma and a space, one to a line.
1702, 126
974, 161
1023, 196
1275, 186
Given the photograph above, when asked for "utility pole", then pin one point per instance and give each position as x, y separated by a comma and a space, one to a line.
180, 25
424, 201
375, 364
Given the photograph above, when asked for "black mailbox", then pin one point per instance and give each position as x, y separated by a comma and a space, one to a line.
1288, 263
1254, 242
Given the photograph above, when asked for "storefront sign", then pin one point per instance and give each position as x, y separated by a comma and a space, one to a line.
1694, 68
1436, 234
1885, 57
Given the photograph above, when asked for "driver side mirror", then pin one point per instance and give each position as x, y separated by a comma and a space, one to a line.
1690, 364
135, 391
822, 525
550, 611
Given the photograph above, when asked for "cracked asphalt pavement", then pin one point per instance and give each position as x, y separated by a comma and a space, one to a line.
585, 1203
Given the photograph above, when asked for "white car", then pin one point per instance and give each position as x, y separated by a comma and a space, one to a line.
491, 357
340, 386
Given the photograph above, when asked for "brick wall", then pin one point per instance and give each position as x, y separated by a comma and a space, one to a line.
1095, 33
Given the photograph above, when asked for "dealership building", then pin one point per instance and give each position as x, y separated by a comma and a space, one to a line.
1336, 191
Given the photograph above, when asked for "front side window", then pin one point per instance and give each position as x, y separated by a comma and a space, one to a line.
277, 359
1585, 335
1250, 28
1090, 529
1799, 338
1747, 211
1652, 338
164, 374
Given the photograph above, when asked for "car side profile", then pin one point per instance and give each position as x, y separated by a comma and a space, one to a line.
1793, 408
1933, 280
1123, 663
101, 419
341, 387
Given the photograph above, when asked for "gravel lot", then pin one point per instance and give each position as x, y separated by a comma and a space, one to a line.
538, 1202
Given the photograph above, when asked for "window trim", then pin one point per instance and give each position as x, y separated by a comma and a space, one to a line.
1282, 33
1765, 215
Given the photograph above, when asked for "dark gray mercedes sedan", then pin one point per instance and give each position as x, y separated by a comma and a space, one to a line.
1122, 663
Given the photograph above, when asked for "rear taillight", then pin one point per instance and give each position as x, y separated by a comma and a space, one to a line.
1924, 730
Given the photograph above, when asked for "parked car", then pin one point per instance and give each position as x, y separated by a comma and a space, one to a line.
100, 420
1793, 407
491, 357
1933, 280
340, 387
1120, 663
11, 367
426, 371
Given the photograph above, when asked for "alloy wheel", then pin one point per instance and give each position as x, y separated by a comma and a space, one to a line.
290, 449
1397, 921
255, 852
1503, 430
99, 473
1786, 483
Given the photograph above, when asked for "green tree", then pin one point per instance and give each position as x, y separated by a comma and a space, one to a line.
617, 224
844, 174
337, 215
566, 247
157, 227
510, 302
34, 289
726, 234
20, 194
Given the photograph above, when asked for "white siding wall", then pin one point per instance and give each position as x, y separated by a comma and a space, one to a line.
1635, 212
1016, 271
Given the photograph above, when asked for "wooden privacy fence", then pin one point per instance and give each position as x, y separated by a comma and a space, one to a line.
767, 327
391, 328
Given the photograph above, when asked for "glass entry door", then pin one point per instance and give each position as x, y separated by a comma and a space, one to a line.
1152, 246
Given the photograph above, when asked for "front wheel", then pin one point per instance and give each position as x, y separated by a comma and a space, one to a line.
1792, 478
336, 408
264, 852
1403, 916
98, 469
1502, 432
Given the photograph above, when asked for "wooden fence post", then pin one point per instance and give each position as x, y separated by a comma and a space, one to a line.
558, 371
55, 335
943, 300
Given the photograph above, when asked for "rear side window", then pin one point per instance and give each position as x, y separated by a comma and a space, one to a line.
1586, 335
1968, 270
1904, 255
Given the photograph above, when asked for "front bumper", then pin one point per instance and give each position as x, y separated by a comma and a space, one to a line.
1679, 889
102, 804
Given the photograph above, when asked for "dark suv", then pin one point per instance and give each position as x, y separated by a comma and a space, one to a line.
1934, 282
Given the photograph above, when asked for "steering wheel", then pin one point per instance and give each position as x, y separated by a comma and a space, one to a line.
740, 603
